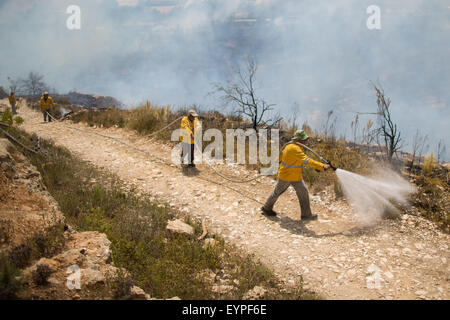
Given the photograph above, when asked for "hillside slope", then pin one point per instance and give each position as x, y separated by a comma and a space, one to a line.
398, 259
34, 236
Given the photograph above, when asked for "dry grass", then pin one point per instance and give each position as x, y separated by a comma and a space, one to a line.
433, 197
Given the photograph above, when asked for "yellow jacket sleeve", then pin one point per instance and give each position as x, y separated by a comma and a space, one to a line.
185, 125
303, 158
315, 164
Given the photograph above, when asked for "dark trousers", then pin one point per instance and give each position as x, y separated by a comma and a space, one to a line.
300, 189
47, 113
13, 108
187, 149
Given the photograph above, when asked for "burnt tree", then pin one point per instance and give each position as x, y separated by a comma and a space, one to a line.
387, 129
241, 94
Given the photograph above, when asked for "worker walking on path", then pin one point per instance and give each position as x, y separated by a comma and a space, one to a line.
293, 160
190, 126
46, 106
12, 102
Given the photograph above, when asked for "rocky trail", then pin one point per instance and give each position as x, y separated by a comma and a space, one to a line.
397, 259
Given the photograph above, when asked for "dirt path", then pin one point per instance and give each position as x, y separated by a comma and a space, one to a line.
403, 259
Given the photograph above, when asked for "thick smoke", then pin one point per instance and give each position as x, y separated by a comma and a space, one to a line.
313, 56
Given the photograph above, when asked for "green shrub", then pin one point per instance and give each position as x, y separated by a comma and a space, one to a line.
96, 220
18, 120
7, 117
10, 283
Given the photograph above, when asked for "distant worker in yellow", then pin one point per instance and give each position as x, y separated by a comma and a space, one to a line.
293, 160
12, 102
190, 127
47, 106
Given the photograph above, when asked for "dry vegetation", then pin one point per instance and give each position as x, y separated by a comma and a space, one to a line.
433, 197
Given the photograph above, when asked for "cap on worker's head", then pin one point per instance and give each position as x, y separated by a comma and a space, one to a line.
45, 93
300, 134
192, 113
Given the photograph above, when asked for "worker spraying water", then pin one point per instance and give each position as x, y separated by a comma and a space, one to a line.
370, 197
293, 160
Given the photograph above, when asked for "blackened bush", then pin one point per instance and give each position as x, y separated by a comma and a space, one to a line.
41, 274
20, 255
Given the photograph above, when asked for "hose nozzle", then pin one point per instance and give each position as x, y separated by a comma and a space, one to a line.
332, 167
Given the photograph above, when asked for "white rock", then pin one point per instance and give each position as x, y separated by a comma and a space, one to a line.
374, 279
137, 293
179, 226
53, 281
91, 276
222, 288
257, 293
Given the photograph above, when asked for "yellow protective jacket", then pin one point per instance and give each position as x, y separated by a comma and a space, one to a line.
293, 159
46, 104
189, 127
12, 99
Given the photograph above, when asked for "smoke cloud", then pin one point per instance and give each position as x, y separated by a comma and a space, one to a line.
313, 56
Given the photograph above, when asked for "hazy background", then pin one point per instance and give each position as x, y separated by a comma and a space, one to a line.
313, 56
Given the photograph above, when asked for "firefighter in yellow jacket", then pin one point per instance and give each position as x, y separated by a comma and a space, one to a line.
47, 106
293, 160
190, 126
12, 102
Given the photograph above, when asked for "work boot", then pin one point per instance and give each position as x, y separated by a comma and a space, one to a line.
311, 217
267, 212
